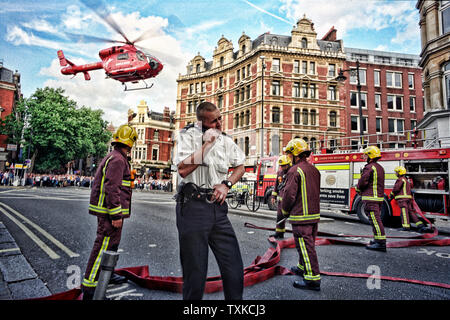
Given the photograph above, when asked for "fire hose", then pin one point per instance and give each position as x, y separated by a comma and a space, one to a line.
265, 267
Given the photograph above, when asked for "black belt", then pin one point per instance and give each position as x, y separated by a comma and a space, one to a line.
190, 191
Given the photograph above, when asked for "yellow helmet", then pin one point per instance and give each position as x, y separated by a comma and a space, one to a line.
400, 170
126, 135
372, 152
297, 146
283, 160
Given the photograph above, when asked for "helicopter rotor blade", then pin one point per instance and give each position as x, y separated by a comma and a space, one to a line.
87, 38
103, 12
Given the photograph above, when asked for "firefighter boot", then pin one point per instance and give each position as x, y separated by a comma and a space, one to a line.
296, 270
307, 284
117, 279
377, 246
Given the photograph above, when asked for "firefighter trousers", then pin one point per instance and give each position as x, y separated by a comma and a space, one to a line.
408, 213
373, 211
108, 238
280, 226
305, 238
201, 226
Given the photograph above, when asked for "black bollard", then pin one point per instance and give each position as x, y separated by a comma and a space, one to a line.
109, 261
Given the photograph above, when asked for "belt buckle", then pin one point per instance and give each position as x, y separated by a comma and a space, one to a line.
213, 198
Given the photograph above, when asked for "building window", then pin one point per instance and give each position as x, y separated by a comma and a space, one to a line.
378, 125
355, 124
296, 66
221, 61
396, 125
394, 79
297, 116
305, 116
203, 86
412, 104
236, 120
362, 76
304, 90
248, 70
304, 67
189, 107
304, 43
236, 96
312, 67
155, 153
276, 65
276, 115
197, 68
377, 101
312, 91
376, 78
411, 81
247, 117
220, 82
220, 102
242, 118
395, 102
333, 119
313, 145
156, 135
191, 88
445, 16
247, 146
296, 89
276, 88
238, 75
413, 124
382, 59
354, 99
447, 83
332, 93
331, 70
313, 117
248, 92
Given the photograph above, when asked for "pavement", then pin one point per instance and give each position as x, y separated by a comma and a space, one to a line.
18, 280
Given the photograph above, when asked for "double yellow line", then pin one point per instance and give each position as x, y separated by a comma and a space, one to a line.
52, 254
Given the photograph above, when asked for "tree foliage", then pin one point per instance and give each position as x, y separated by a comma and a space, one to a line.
55, 131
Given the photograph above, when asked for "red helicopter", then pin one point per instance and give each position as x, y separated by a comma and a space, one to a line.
124, 63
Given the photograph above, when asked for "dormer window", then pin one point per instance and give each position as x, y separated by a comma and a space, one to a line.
243, 49
221, 61
304, 43
197, 68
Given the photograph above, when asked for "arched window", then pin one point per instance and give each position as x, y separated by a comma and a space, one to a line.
304, 43
197, 68
313, 145
313, 117
333, 119
221, 61
243, 49
247, 117
242, 118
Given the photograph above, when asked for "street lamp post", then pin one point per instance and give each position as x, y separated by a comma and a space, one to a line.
263, 67
342, 78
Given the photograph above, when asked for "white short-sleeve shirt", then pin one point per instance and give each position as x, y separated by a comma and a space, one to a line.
214, 167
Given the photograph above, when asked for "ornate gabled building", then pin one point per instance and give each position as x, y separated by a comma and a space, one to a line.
152, 153
301, 97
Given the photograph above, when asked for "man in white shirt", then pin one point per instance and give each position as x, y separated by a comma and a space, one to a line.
203, 155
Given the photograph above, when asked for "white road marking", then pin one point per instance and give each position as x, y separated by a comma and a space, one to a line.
69, 252
52, 254
9, 250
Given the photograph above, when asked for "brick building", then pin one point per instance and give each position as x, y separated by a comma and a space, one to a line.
152, 152
301, 95
391, 97
9, 94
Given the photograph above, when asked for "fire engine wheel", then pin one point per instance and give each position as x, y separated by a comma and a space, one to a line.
386, 213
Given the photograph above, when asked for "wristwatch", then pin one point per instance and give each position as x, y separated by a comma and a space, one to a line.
227, 183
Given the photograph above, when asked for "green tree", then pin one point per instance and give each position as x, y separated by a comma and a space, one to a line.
55, 131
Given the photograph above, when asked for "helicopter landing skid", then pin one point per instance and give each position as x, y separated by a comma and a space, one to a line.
135, 89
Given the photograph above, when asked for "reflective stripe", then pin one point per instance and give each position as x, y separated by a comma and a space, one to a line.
403, 197
333, 167
372, 198
108, 211
405, 221
303, 191
284, 212
101, 198
126, 183
274, 193
304, 218
280, 230
308, 275
378, 235
96, 265
375, 182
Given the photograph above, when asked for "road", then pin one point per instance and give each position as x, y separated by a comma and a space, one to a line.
55, 235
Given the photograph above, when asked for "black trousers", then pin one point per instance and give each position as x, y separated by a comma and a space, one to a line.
202, 225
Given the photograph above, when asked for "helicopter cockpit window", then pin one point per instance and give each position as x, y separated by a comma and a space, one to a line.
122, 56
140, 56
152, 62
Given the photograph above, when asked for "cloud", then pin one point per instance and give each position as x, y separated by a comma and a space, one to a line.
267, 12
350, 15
40, 25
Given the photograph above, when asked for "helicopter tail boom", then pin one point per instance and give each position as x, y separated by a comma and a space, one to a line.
71, 68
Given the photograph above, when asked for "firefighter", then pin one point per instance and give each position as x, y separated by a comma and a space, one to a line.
371, 188
301, 204
285, 163
402, 194
110, 201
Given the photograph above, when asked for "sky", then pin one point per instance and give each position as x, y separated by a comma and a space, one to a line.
31, 32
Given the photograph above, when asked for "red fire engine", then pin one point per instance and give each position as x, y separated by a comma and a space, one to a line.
427, 170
